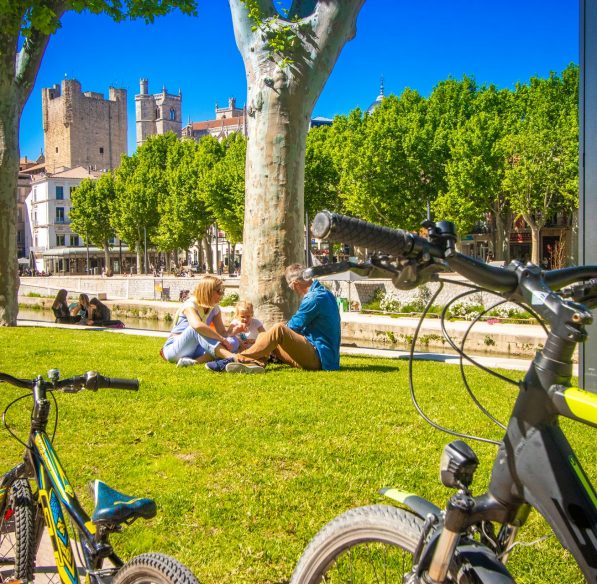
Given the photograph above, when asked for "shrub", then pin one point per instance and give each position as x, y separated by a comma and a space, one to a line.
390, 303
229, 299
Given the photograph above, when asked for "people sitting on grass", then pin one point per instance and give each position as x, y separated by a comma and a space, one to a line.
245, 325
99, 315
61, 311
310, 340
80, 308
198, 334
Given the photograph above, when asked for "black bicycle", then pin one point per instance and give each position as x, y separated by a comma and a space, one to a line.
470, 540
24, 513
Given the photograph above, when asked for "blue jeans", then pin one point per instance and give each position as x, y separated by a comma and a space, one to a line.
191, 344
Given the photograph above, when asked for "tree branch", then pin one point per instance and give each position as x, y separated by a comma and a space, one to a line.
28, 59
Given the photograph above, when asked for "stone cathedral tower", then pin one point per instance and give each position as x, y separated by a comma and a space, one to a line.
83, 129
158, 113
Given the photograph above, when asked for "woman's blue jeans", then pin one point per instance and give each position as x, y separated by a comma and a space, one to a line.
191, 344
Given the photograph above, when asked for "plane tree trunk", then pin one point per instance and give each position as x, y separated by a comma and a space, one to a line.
282, 89
17, 77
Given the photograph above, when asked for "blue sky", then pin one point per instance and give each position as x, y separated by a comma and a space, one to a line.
412, 43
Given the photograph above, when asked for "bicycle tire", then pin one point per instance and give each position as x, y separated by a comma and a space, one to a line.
154, 569
17, 534
377, 529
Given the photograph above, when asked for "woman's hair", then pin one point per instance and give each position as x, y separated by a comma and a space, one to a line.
243, 306
60, 297
83, 299
204, 290
96, 302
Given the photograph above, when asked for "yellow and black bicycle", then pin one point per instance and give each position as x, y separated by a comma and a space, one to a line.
469, 541
24, 512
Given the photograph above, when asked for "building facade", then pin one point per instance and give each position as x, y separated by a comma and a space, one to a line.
83, 128
227, 120
159, 113
55, 248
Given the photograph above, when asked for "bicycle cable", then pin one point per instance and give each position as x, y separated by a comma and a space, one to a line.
461, 353
468, 330
5, 421
412, 386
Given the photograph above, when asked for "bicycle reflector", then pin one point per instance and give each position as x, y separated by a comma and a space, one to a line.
457, 465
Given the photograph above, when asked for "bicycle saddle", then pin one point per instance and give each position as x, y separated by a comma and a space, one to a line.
114, 507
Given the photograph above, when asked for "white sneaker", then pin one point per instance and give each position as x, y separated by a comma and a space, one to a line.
186, 362
244, 368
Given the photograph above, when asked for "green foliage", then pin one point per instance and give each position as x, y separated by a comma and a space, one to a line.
141, 184
90, 212
321, 172
230, 299
282, 32
184, 214
224, 187
246, 469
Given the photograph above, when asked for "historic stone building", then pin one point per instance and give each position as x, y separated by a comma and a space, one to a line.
228, 119
83, 128
158, 113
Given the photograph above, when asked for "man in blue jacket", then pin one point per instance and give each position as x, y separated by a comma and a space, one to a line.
310, 340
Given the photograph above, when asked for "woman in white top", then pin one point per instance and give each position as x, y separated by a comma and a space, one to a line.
198, 334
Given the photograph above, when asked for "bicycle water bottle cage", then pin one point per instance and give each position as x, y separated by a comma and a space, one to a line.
114, 507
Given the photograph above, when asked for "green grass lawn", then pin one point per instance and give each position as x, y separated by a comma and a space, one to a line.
246, 469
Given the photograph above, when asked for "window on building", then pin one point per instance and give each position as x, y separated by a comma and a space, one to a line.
157, 113
56, 149
19, 236
74, 241
35, 243
60, 193
101, 149
60, 215
34, 194
60, 240
172, 114
20, 215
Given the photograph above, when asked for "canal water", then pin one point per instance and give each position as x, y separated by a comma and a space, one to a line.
133, 323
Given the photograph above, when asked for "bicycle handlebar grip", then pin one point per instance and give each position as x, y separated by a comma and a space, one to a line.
336, 227
121, 383
95, 381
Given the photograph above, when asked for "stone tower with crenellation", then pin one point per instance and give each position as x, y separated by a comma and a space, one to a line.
158, 113
83, 129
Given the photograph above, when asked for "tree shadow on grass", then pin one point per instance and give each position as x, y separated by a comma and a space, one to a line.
370, 368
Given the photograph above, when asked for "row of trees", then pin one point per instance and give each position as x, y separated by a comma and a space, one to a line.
166, 195
467, 150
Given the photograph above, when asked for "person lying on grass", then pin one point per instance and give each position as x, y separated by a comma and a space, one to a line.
310, 340
198, 334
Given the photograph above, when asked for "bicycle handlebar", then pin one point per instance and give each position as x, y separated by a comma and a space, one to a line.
402, 244
90, 380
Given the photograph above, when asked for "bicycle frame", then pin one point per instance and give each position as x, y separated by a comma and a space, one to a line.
55, 493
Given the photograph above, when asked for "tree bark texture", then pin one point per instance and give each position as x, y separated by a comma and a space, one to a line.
18, 70
280, 100
503, 224
9, 171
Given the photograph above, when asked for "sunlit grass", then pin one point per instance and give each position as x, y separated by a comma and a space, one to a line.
246, 469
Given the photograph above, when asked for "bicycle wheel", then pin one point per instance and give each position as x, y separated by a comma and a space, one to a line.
154, 569
17, 537
365, 545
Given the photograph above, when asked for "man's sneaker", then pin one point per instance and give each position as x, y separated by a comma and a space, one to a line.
235, 367
186, 362
219, 365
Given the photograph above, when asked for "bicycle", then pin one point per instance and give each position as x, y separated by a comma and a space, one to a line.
24, 513
471, 539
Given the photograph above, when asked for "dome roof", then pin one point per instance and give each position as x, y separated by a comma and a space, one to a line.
378, 100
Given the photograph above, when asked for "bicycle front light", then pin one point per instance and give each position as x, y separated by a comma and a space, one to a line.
457, 465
